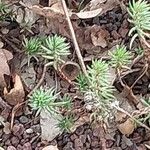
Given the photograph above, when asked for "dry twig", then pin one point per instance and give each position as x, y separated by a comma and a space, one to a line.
143, 73
40, 81
77, 49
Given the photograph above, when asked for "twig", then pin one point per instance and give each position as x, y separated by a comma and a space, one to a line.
128, 114
145, 42
119, 76
141, 112
6, 109
14, 111
145, 70
77, 49
42, 78
10, 44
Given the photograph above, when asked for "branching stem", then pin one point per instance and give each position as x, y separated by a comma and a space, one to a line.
42, 77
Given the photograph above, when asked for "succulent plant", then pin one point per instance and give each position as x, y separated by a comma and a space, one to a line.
98, 92
45, 99
139, 12
4, 11
82, 82
54, 48
66, 123
146, 117
98, 76
120, 57
32, 45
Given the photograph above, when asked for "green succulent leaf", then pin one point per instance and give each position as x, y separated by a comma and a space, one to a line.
82, 82
43, 99
66, 123
67, 102
32, 46
54, 48
120, 57
4, 11
146, 117
47, 99
139, 12
98, 92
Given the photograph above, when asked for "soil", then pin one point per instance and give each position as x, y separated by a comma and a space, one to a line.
25, 134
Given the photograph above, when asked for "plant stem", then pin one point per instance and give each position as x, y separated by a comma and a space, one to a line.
144, 71
77, 49
42, 77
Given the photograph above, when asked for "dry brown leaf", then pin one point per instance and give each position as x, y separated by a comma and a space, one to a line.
4, 57
109, 5
128, 93
57, 8
95, 3
26, 15
17, 94
120, 116
82, 120
6, 109
127, 127
87, 14
58, 24
99, 36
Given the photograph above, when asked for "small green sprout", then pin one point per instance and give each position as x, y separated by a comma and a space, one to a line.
4, 11
67, 99
54, 49
146, 102
32, 45
120, 57
139, 12
146, 116
45, 99
3, 8
98, 92
82, 82
139, 51
98, 75
66, 123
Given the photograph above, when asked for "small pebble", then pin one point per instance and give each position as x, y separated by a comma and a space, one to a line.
88, 145
78, 143
36, 128
80, 130
1, 44
5, 137
95, 143
73, 137
19, 147
27, 146
5, 30
15, 141
8, 143
23, 119
83, 138
18, 129
11, 148
29, 131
